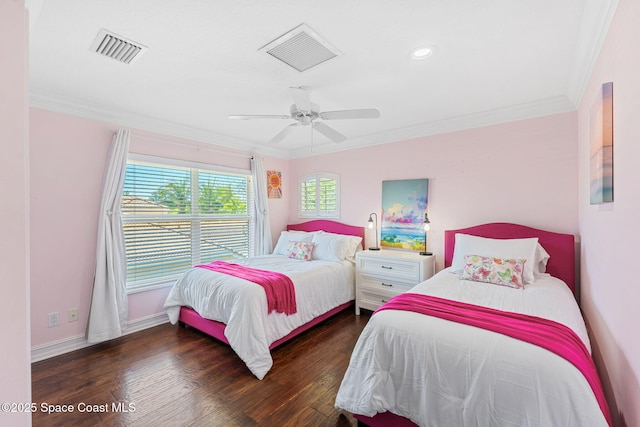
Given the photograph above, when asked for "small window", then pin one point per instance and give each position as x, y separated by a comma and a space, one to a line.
320, 196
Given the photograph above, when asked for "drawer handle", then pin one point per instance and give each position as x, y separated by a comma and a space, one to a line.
388, 268
386, 284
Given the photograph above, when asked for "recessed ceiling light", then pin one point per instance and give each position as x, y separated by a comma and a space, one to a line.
422, 52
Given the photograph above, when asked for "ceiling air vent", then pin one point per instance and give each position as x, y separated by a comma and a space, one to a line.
300, 48
115, 47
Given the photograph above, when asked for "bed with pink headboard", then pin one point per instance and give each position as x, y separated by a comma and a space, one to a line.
375, 355
560, 246
189, 316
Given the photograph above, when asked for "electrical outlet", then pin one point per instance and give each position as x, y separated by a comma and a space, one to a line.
72, 315
54, 319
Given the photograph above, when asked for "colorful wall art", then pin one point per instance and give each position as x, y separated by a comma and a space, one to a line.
404, 203
274, 184
601, 185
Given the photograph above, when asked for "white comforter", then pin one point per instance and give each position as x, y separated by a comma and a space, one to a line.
242, 305
440, 373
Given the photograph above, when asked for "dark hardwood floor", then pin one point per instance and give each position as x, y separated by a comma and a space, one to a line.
172, 376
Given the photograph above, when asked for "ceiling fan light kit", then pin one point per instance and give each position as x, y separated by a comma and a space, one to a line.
305, 117
306, 113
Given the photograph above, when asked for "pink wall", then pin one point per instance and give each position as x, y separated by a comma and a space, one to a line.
15, 370
522, 172
610, 296
68, 157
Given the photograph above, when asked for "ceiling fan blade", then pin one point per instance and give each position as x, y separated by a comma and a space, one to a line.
365, 113
301, 98
282, 134
249, 117
330, 133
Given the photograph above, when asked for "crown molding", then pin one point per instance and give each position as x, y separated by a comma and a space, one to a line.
596, 14
530, 110
145, 123
555, 105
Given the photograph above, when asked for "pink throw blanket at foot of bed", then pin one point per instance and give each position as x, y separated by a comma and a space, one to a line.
545, 333
279, 288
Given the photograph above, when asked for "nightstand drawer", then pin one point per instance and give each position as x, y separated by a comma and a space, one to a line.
380, 275
373, 300
377, 284
396, 268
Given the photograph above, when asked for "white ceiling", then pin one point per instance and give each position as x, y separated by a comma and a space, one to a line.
494, 61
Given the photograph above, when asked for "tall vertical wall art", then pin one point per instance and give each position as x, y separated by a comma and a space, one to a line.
274, 184
601, 184
404, 203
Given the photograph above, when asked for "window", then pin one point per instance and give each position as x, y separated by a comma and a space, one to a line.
177, 216
320, 196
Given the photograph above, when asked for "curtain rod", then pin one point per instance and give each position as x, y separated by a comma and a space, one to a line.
197, 147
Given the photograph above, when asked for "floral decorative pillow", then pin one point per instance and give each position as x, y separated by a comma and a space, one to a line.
300, 250
505, 272
496, 248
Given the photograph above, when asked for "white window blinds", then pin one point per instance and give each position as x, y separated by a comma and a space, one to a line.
175, 217
320, 196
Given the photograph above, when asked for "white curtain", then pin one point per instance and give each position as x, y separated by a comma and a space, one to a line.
108, 315
263, 243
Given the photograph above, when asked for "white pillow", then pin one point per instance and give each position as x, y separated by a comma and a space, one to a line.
354, 242
496, 248
542, 257
290, 236
331, 247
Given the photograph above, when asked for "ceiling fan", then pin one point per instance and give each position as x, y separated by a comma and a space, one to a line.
306, 113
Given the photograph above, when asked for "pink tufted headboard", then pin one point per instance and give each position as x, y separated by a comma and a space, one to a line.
561, 247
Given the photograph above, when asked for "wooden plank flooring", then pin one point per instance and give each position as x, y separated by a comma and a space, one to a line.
172, 376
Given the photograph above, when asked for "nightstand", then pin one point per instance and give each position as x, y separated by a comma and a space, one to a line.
383, 274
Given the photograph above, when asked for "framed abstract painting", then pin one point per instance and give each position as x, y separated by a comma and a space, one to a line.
404, 203
601, 153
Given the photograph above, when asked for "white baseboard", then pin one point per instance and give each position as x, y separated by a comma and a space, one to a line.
56, 348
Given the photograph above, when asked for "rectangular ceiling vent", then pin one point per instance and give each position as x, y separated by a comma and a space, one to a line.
115, 47
301, 48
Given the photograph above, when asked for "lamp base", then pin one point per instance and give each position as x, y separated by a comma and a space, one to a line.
426, 253
374, 249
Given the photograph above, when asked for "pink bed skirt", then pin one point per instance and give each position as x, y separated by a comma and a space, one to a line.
385, 419
216, 329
